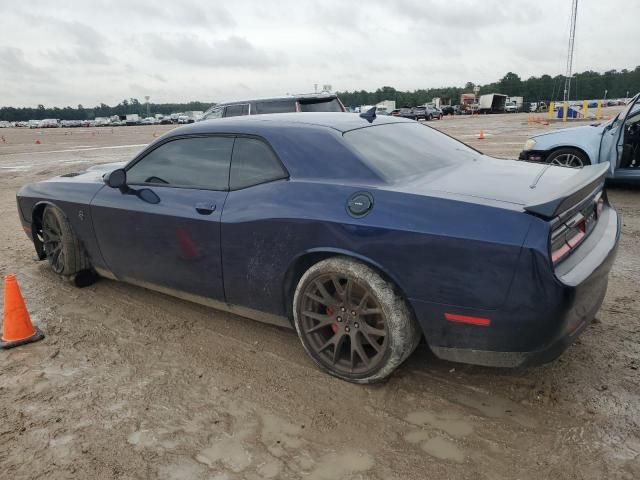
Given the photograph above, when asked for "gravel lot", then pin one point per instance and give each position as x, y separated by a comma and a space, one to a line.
130, 383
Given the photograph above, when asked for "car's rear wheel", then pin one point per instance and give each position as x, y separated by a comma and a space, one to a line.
429, 117
62, 248
568, 157
352, 322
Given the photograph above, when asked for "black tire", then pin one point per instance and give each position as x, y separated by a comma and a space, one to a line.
63, 250
429, 118
568, 157
361, 310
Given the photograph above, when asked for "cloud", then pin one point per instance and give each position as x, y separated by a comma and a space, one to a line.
80, 51
14, 62
233, 52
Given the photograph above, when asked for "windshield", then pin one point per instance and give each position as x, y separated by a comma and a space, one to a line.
632, 105
401, 150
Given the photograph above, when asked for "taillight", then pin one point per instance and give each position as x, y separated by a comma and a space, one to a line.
566, 236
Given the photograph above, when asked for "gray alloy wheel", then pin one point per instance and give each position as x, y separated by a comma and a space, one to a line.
568, 157
62, 248
352, 322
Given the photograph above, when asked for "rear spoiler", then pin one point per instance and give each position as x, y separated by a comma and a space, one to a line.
583, 183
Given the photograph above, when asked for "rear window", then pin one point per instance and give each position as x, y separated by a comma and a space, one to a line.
324, 105
279, 106
401, 150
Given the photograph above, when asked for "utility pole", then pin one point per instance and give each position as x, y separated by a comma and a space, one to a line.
147, 97
572, 38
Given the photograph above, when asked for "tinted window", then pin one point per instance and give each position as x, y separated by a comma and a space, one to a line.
216, 113
279, 106
253, 163
236, 110
400, 150
328, 105
190, 162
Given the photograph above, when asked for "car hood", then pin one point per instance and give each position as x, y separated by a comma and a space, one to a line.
576, 132
511, 183
92, 174
106, 167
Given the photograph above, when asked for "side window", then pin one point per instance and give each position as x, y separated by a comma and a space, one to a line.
253, 163
277, 106
201, 162
216, 113
236, 110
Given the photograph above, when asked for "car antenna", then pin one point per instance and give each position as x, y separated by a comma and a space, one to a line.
369, 115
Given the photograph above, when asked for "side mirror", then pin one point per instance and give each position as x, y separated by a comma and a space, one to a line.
117, 179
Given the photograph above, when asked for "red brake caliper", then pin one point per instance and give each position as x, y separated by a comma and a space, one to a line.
334, 326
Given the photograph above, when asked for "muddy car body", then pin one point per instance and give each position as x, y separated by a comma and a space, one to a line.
364, 233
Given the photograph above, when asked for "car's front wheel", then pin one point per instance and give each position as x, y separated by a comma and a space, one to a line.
568, 157
352, 322
64, 252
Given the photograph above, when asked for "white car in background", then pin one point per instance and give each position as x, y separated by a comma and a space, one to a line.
616, 141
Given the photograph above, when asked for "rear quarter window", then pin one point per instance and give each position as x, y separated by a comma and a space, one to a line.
253, 162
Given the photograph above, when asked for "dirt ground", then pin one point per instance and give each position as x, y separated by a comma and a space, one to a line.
130, 383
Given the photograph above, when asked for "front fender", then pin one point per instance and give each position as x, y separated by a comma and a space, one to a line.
587, 139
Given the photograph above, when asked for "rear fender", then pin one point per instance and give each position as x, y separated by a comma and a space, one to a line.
314, 255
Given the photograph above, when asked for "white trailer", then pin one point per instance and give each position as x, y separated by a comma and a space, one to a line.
492, 103
387, 105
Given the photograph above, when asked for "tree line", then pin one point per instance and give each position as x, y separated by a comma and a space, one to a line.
586, 85
127, 106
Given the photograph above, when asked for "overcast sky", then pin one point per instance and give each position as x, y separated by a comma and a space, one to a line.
68, 52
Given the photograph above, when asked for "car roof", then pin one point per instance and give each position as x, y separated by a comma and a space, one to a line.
340, 121
302, 96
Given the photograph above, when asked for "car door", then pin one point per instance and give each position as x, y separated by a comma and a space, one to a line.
164, 229
254, 240
612, 137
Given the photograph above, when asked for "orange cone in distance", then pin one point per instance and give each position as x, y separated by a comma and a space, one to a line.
17, 328
481, 136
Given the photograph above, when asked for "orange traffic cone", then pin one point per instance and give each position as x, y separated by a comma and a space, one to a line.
38, 142
16, 326
481, 136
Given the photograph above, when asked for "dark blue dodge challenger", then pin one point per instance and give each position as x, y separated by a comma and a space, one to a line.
364, 233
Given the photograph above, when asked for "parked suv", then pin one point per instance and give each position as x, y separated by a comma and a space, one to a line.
427, 112
407, 112
294, 103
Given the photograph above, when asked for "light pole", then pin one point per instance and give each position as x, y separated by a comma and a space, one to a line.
147, 97
476, 90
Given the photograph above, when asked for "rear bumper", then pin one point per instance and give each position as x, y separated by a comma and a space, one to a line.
543, 315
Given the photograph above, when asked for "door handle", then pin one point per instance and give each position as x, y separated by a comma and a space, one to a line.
205, 208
